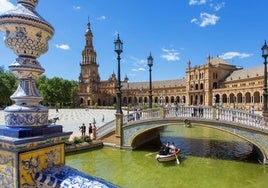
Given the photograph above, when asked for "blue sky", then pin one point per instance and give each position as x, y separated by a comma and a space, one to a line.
174, 31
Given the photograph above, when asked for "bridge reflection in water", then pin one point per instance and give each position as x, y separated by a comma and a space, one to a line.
140, 126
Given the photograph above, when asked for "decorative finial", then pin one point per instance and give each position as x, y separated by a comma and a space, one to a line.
189, 64
30, 4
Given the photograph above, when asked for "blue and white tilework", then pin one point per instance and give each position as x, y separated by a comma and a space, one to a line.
66, 177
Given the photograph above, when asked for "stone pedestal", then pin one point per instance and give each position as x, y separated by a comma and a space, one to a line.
32, 152
28, 144
119, 128
22, 158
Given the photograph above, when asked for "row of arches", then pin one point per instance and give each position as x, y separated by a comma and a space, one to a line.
239, 99
256, 97
157, 100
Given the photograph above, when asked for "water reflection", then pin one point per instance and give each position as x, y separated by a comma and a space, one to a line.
209, 143
210, 158
204, 142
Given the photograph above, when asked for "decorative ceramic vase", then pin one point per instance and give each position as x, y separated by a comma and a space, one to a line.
27, 34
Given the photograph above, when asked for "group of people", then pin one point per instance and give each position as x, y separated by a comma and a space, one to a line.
167, 149
91, 129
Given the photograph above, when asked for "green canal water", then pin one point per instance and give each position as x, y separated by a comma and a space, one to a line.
209, 158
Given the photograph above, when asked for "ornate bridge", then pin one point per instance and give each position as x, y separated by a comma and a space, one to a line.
141, 125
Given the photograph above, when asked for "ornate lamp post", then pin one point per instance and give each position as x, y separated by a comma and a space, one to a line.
118, 48
127, 98
150, 64
265, 55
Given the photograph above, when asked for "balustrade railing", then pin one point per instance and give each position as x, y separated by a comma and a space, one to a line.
234, 116
105, 129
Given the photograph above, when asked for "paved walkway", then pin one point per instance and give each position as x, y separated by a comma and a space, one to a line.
71, 119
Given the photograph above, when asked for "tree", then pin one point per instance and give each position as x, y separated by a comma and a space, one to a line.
8, 85
56, 91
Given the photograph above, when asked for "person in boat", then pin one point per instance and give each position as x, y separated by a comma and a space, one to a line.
162, 150
168, 144
172, 148
165, 149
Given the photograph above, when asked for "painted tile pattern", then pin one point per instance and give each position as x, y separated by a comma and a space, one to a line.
36, 160
7, 169
64, 176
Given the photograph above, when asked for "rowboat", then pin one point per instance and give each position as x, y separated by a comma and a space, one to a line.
168, 157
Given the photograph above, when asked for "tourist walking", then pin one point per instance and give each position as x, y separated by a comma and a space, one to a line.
90, 129
93, 136
83, 129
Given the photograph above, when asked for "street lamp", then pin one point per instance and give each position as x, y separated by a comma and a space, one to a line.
150, 64
118, 48
127, 98
265, 55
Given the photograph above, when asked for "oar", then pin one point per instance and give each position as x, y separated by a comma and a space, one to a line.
178, 162
149, 154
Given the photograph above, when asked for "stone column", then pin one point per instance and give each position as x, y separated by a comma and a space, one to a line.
119, 129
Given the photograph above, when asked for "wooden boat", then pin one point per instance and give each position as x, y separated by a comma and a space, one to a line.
168, 157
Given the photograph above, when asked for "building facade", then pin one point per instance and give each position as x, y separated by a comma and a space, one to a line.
216, 82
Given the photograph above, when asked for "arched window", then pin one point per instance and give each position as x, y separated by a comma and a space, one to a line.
167, 99
239, 98
201, 100
217, 98
201, 86
215, 85
224, 98
248, 97
191, 102
145, 99
172, 99
256, 97
232, 98
178, 99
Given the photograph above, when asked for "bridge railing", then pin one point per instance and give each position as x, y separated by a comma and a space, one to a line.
141, 115
242, 118
105, 129
234, 116
204, 112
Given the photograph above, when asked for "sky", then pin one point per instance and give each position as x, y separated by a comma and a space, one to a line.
173, 31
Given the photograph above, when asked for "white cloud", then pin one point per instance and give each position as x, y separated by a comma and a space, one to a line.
76, 7
217, 6
139, 64
138, 69
170, 54
5, 5
231, 55
206, 19
197, 2
102, 18
63, 46
194, 20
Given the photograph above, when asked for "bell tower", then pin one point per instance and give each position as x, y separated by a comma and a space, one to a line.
89, 79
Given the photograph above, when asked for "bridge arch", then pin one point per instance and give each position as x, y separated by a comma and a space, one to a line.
143, 132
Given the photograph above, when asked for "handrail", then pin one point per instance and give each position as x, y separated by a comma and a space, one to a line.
105, 129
